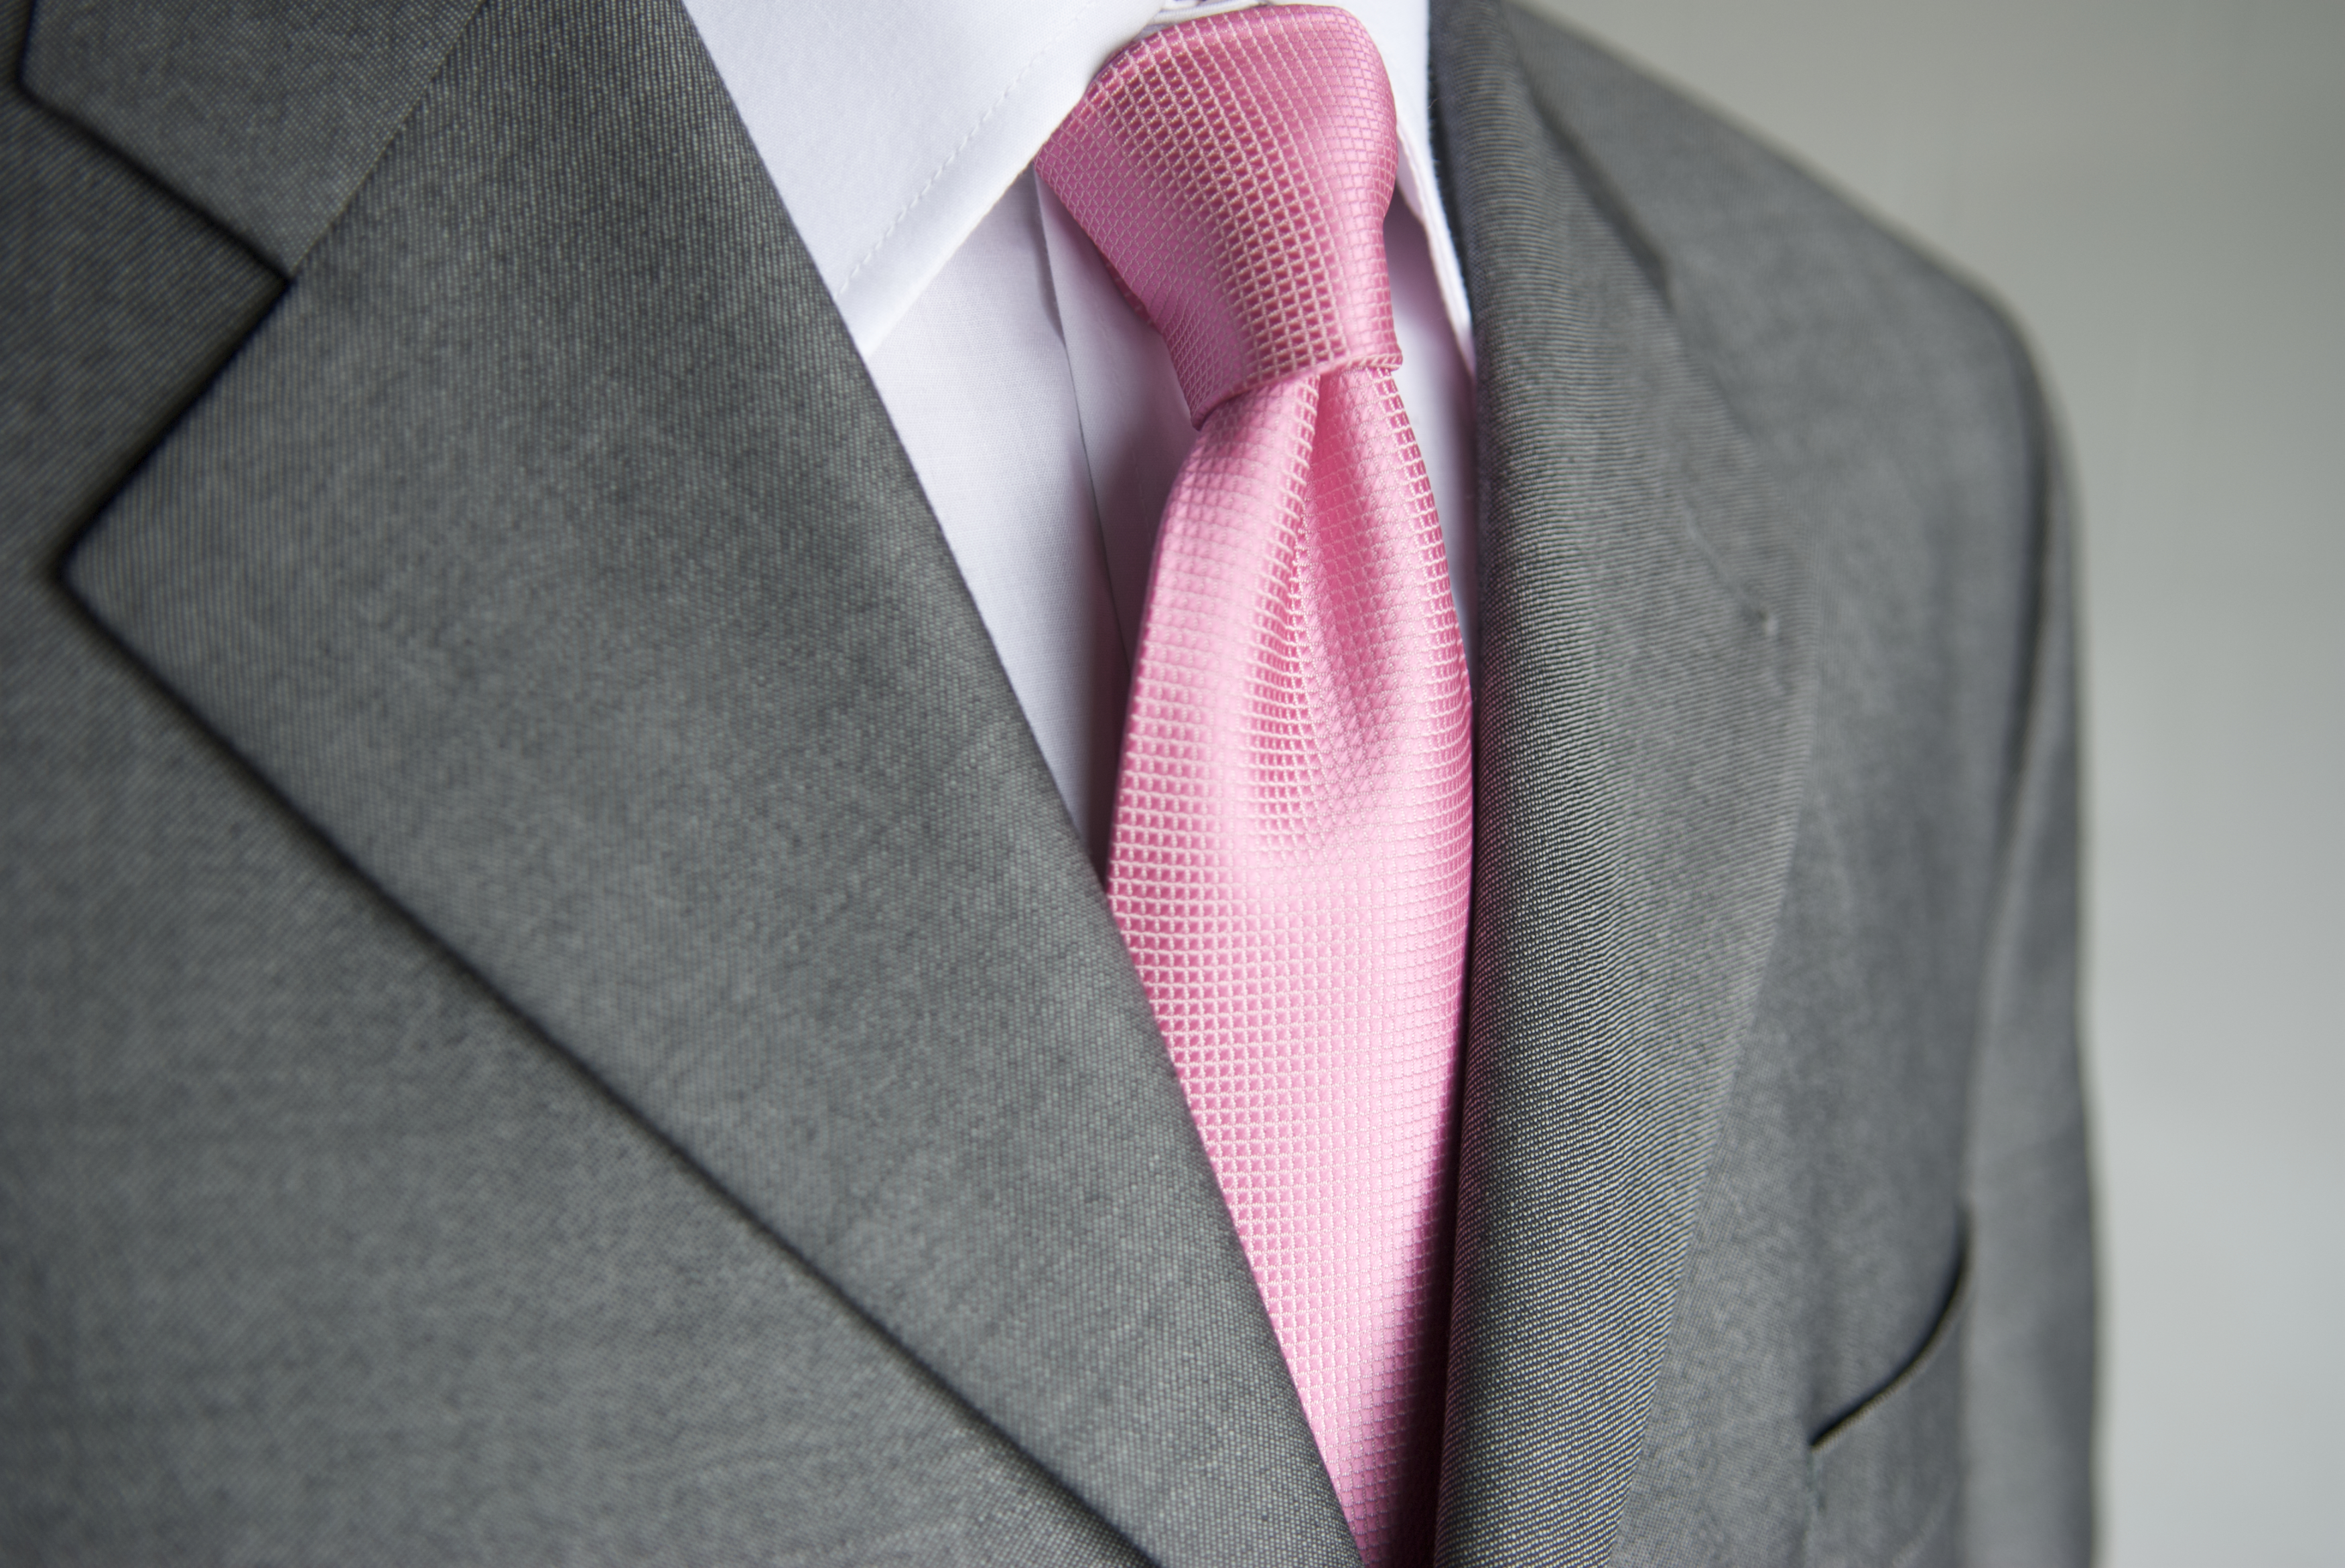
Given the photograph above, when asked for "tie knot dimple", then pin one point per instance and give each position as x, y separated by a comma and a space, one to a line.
1234, 171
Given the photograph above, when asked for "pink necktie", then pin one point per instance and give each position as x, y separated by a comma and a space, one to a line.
1293, 819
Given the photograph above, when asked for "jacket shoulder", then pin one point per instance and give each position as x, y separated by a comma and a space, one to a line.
1800, 303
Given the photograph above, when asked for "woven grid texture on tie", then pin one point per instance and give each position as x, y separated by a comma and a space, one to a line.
1292, 846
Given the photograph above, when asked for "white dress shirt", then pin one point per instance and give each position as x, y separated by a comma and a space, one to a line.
1042, 417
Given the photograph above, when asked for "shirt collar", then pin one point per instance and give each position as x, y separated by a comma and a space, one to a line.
891, 129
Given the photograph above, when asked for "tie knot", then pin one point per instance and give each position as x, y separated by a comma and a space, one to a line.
1234, 171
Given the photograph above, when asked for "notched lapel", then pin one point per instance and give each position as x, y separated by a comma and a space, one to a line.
549, 549
1642, 731
264, 116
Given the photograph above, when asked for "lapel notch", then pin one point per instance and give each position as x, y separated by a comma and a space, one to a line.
266, 117
550, 550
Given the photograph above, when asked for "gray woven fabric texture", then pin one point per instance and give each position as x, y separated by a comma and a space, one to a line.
1907, 1053
264, 116
550, 1009
667, 830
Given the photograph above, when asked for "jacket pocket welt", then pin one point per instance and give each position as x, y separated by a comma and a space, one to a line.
1884, 1481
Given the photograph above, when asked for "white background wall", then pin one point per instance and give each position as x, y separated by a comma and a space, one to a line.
2157, 187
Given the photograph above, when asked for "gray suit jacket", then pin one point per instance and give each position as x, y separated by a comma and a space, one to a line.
550, 1011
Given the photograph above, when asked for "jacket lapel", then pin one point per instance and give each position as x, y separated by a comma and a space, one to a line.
549, 550
1642, 733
